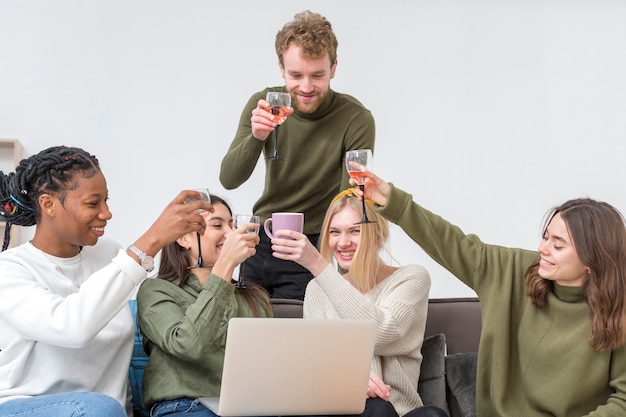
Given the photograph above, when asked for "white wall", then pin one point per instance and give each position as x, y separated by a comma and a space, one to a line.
489, 112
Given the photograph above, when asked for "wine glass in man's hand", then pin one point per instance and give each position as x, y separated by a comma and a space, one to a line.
280, 104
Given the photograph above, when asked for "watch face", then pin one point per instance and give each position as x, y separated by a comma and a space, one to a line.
148, 263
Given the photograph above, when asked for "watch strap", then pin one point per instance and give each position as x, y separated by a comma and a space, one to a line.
146, 261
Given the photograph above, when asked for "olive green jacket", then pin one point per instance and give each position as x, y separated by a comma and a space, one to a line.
184, 334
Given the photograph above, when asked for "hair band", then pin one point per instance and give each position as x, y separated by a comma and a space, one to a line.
19, 203
350, 193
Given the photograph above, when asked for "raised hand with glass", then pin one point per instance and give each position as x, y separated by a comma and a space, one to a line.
205, 196
280, 104
356, 162
238, 221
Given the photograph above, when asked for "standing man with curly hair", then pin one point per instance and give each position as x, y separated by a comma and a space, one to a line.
313, 140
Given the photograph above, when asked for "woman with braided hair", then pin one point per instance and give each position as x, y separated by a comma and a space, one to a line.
67, 331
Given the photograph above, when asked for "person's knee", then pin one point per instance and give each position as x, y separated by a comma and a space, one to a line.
67, 404
427, 411
95, 404
377, 407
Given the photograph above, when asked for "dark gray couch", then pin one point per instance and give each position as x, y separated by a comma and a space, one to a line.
448, 374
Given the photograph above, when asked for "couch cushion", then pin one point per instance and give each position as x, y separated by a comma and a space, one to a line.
287, 308
461, 380
459, 319
432, 383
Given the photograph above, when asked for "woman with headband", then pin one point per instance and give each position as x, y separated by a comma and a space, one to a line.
362, 286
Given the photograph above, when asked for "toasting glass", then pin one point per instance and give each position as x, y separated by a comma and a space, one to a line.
356, 162
204, 192
240, 220
279, 107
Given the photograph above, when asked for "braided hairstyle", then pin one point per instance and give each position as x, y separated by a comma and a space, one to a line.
53, 171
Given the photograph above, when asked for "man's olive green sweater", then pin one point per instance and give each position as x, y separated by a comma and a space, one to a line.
312, 147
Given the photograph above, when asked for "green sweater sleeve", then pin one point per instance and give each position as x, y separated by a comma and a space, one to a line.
244, 151
181, 324
475, 263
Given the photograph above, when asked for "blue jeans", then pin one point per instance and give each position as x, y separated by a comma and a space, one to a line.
187, 407
67, 404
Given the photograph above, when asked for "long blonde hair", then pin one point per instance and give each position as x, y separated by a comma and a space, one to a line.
366, 261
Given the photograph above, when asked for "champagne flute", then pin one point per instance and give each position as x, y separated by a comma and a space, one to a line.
279, 106
204, 192
356, 162
240, 220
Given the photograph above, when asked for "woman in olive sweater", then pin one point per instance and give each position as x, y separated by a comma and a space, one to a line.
352, 281
183, 314
554, 322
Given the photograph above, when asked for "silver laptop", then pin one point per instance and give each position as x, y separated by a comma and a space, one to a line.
286, 366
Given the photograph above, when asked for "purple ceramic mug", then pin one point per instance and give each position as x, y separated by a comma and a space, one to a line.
284, 221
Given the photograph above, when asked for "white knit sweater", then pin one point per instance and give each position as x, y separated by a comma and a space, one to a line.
65, 324
399, 304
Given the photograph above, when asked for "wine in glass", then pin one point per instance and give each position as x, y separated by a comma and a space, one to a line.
240, 220
204, 192
356, 162
279, 108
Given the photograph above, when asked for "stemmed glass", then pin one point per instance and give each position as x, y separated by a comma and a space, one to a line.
204, 192
356, 162
240, 220
279, 106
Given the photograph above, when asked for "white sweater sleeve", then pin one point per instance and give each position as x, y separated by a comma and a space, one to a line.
40, 302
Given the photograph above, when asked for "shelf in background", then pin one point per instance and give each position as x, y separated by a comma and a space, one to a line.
10, 156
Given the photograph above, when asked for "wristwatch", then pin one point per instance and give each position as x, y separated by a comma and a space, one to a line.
147, 261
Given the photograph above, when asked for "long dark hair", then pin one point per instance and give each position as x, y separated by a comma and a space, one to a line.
174, 267
53, 171
599, 235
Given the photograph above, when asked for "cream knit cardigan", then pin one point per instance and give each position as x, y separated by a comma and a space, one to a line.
399, 305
